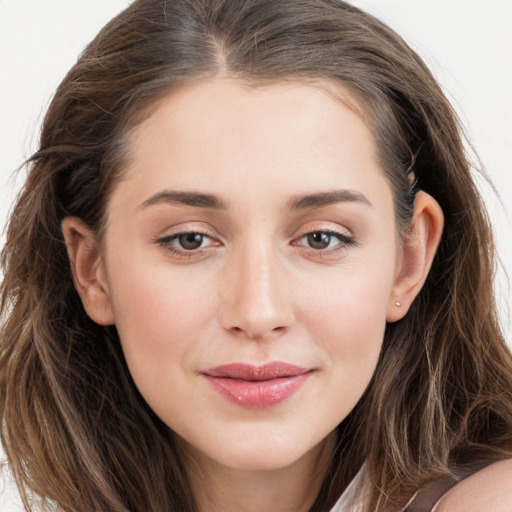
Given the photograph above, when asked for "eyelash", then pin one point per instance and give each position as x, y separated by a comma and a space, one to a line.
344, 241
166, 243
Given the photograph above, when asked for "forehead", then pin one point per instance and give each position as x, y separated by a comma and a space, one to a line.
227, 136
240, 102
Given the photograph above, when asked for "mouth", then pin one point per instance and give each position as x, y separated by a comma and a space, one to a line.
257, 387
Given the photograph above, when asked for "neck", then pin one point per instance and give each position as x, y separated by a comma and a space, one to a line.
294, 488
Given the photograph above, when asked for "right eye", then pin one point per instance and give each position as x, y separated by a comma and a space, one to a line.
186, 244
190, 241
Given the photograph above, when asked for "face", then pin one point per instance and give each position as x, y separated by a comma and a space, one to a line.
250, 261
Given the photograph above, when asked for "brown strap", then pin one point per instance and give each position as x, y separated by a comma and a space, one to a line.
430, 494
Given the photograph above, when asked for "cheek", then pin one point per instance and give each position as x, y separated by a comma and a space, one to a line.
351, 309
160, 316
347, 320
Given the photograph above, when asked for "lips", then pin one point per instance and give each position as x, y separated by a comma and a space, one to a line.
257, 387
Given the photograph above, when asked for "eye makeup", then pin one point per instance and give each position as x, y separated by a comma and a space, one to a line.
188, 243
196, 243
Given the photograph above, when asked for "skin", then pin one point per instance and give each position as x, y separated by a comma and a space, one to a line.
489, 489
256, 289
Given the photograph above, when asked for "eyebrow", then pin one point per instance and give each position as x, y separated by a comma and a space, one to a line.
320, 199
197, 199
214, 202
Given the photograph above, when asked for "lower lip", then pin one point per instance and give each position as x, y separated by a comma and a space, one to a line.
259, 394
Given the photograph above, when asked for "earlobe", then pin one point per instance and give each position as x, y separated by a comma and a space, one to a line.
419, 245
88, 270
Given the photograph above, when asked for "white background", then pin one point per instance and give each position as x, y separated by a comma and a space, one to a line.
468, 44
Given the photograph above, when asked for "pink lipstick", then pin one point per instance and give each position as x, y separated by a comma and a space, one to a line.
257, 387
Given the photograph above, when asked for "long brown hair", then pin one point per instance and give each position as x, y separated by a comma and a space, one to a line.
75, 429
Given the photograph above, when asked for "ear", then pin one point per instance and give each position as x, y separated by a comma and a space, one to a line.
419, 246
88, 270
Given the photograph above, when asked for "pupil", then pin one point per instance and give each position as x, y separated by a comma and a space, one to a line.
319, 240
191, 241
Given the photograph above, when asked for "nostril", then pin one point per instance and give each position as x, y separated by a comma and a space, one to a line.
253, 334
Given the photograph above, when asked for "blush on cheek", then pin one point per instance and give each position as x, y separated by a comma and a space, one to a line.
354, 320
157, 316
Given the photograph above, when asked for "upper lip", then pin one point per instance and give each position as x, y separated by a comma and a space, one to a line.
244, 371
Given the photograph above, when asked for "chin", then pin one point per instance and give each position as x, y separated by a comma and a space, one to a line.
261, 460
264, 453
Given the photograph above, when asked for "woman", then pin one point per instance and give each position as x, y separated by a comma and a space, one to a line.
250, 270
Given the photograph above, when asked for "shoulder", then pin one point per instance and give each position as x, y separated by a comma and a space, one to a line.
488, 489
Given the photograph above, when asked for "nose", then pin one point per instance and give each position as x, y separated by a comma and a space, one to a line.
256, 299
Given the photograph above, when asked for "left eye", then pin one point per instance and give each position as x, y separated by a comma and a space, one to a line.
321, 240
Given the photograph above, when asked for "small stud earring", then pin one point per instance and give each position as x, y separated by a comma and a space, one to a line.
397, 304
